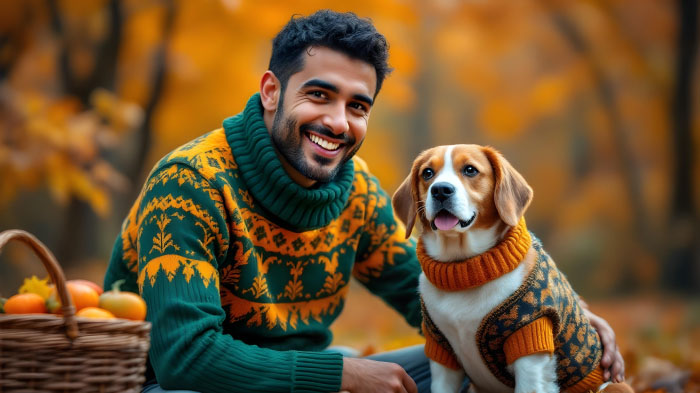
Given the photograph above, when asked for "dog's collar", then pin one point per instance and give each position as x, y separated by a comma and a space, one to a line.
479, 269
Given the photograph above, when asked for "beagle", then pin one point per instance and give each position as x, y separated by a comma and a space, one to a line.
494, 304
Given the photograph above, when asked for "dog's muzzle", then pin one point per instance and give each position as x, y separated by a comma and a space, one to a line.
442, 191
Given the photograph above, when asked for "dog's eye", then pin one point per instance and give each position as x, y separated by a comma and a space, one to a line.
427, 174
470, 171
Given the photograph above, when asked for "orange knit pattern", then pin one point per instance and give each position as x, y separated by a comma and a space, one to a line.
441, 354
589, 383
480, 269
537, 337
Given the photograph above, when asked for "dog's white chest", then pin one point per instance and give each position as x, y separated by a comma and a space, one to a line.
458, 315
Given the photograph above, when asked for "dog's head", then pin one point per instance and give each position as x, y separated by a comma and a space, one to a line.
454, 189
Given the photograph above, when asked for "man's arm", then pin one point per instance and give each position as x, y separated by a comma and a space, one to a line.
386, 261
612, 361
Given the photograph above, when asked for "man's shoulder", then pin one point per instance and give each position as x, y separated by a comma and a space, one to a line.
360, 165
208, 155
364, 181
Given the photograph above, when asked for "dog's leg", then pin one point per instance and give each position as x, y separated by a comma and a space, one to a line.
535, 374
620, 387
445, 380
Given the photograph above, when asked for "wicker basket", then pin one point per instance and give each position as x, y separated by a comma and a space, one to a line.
49, 353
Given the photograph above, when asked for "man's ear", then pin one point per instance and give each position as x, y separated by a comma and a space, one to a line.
511, 194
404, 205
270, 90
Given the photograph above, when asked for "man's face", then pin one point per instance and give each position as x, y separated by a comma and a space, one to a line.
321, 120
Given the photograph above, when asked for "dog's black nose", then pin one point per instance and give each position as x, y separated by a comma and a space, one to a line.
442, 191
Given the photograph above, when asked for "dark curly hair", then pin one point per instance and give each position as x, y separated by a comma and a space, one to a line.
344, 32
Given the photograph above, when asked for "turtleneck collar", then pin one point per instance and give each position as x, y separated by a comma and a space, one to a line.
479, 269
295, 207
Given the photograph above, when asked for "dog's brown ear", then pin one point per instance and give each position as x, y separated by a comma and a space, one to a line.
404, 205
511, 194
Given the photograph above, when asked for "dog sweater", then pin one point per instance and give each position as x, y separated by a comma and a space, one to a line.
542, 316
243, 270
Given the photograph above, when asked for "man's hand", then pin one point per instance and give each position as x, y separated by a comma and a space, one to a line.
370, 376
612, 362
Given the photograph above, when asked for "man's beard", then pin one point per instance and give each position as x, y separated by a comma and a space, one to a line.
289, 142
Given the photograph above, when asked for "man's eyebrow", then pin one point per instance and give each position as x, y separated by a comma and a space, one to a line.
363, 98
329, 86
322, 84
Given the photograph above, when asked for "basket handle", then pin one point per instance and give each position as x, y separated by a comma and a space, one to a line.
55, 272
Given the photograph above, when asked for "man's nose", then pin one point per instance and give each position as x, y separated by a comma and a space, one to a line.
442, 191
336, 119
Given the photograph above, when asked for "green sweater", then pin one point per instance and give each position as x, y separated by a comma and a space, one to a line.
243, 270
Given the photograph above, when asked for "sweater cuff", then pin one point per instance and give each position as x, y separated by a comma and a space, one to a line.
437, 353
317, 372
535, 337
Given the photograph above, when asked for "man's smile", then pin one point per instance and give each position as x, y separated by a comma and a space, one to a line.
326, 144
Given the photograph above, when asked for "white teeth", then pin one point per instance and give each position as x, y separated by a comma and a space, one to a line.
324, 143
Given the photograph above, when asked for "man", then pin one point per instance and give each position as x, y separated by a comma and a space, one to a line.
242, 242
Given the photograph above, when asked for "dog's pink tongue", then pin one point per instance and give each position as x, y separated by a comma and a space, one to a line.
445, 221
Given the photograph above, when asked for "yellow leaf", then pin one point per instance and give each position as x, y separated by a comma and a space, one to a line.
35, 285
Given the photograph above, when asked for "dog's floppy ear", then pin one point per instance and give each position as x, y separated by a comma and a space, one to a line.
404, 205
511, 193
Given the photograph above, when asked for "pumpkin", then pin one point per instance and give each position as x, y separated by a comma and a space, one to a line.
25, 303
122, 304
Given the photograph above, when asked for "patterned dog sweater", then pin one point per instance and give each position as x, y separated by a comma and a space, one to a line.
542, 316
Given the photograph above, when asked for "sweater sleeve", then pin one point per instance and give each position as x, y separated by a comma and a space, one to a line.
437, 348
535, 337
387, 264
182, 238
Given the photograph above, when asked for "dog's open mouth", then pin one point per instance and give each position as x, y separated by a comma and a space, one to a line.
445, 220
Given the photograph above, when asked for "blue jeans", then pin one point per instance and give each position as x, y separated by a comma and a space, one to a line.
412, 359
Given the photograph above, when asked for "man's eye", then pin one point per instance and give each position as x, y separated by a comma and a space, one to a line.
318, 94
427, 174
358, 106
470, 171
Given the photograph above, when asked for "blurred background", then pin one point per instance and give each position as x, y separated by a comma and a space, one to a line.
596, 103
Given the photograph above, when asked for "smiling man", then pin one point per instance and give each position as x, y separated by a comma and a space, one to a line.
243, 242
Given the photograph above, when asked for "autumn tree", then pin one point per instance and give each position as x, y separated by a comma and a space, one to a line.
66, 114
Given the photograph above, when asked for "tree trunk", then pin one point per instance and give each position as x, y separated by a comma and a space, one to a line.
425, 83
682, 272
79, 233
606, 95
135, 171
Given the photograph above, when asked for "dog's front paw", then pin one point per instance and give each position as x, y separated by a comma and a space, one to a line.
538, 388
445, 380
535, 374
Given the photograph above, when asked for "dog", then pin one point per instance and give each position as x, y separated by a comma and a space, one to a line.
494, 304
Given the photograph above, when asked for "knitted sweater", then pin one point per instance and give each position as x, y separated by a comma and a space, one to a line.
243, 270
543, 315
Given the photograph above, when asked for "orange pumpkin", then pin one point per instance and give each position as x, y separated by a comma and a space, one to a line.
81, 294
90, 284
127, 305
25, 303
94, 312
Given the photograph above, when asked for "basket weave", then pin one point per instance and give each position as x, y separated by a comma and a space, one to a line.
49, 353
